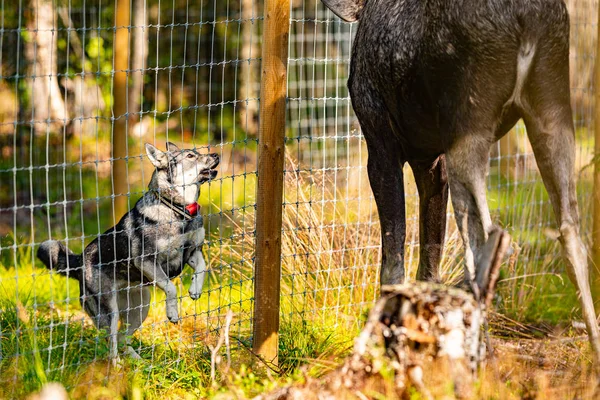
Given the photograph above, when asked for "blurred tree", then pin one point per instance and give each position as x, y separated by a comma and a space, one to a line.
582, 48
120, 86
48, 110
249, 75
84, 97
139, 54
595, 264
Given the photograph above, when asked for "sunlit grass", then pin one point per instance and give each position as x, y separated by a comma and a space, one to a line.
330, 259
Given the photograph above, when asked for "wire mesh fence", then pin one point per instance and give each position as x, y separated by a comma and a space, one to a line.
193, 76
189, 70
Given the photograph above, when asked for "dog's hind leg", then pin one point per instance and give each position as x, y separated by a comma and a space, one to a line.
432, 184
156, 275
107, 318
548, 118
134, 304
113, 306
102, 307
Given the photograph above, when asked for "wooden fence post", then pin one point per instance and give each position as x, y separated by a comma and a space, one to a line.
595, 267
269, 197
119, 139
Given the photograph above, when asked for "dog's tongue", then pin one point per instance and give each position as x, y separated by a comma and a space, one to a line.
192, 208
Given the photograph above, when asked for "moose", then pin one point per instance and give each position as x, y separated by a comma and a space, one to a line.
435, 83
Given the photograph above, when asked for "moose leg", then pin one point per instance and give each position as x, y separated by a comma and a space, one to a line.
553, 141
467, 189
554, 149
387, 183
386, 178
432, 184
546, 110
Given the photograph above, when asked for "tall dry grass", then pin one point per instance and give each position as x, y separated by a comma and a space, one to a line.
330, 266
331, 248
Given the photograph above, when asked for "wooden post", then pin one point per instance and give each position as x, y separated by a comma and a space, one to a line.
270, 178
595, 267
119, 139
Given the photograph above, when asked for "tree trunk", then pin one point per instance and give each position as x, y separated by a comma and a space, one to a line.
120, 92
595, 265
250, 51
582, 46
84, 95
139, 55
48, 110
416, 333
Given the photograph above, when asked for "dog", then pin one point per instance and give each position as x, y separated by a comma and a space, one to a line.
435, 84
150, 245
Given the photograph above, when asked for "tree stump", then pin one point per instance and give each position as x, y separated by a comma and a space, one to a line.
416, 332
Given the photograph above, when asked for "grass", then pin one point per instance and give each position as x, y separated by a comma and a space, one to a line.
330, 257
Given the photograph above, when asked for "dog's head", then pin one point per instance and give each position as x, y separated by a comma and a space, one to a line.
183, 168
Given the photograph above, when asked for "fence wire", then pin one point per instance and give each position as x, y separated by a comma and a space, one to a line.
194, 79
328, 198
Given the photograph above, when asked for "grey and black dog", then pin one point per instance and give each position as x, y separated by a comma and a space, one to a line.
150, 245
435, 83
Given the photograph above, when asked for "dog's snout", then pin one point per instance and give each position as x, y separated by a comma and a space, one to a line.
215, 158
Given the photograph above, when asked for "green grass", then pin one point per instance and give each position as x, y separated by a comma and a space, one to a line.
40, 346
329, 268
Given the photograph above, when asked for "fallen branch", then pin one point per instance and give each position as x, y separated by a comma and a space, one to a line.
215, 358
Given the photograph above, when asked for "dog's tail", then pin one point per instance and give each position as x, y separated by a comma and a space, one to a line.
60, 259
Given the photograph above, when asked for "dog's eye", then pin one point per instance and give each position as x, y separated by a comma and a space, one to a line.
191, 155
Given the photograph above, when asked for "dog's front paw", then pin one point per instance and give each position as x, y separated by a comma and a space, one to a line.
173, 318
197, 284
172, 314
195, 295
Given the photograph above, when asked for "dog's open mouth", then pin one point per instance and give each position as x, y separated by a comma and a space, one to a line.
210, 172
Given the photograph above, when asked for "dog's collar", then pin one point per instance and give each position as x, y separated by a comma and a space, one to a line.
192, 209
187, 212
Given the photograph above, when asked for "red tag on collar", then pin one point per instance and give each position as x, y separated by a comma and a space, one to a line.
192, 209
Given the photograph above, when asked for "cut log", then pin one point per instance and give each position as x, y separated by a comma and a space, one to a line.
416, 333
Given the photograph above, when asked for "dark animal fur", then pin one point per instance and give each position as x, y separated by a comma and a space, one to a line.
150, 245
435, 83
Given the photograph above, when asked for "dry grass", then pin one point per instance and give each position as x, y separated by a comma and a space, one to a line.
521, 369
330, 248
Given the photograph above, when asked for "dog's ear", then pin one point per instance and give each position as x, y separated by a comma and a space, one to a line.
157, 157
172, 148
